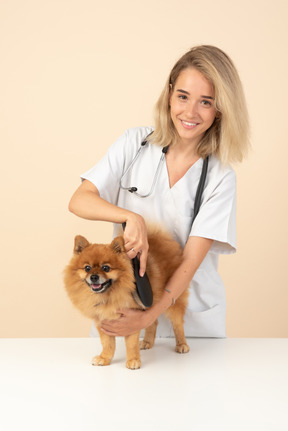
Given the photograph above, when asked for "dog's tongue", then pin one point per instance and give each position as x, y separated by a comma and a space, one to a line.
96, 286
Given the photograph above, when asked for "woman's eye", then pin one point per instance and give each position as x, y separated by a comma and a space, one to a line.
106, 268
182, 97
87, 268
206, 103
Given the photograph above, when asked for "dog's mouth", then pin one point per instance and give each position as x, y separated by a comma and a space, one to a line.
100, 288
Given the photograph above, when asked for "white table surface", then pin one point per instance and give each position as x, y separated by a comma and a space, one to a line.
225, 384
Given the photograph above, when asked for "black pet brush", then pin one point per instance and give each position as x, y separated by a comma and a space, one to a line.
143, 286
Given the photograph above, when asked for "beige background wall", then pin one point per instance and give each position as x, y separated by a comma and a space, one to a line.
74, 75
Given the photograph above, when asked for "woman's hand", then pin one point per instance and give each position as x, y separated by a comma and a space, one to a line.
135, 239
87, 203
129, 322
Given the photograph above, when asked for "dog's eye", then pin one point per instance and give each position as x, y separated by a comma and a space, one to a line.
106, 268
87, 268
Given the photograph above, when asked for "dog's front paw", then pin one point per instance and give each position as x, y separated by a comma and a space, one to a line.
99, 360
133, 364
182, 348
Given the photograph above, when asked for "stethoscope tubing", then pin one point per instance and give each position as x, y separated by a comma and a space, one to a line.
200, 187
134, 189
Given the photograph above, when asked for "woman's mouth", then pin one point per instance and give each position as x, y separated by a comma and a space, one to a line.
188, 125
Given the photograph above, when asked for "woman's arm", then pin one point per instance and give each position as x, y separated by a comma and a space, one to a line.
87, 203
132, 321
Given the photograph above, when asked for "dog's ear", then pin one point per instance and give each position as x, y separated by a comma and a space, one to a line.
80, 243
117, 244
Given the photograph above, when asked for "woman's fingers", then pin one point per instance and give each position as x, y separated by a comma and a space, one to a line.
136, 243
142, 256
129, 322
143, 261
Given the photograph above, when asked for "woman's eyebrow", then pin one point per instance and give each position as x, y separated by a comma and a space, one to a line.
187, 92
183, 91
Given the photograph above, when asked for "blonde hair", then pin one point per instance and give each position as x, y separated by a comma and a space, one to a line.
228, 137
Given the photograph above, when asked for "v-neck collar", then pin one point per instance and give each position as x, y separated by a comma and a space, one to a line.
196, 165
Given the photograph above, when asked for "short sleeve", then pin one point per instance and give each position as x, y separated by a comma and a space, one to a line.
217, 215
106, 174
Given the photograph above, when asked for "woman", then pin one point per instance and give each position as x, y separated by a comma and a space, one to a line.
201, 112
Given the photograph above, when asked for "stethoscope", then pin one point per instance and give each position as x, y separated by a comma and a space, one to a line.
134, 190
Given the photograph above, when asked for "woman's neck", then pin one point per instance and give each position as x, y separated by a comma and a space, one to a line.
180, 150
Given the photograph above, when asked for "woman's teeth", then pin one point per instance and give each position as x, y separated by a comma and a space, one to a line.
189, 124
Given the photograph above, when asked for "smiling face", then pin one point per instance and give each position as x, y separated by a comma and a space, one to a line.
192, 107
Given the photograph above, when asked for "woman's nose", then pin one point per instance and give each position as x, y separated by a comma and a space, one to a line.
192, 108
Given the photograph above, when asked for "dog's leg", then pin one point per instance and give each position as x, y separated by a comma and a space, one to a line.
175, 315
149, 337
108, 344
133, 351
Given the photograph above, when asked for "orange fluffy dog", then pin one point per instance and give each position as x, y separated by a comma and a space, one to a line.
100, 280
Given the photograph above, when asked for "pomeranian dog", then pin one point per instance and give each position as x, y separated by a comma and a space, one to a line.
100, 280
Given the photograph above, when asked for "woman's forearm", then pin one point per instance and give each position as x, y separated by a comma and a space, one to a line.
87, 203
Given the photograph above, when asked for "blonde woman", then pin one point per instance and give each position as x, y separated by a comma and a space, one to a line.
201, 113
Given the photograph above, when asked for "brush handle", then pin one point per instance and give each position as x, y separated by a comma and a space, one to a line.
143, 285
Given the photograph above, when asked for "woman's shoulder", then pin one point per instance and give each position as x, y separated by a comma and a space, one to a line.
127, 144
219, 171
139, 134
132, 138
218, 166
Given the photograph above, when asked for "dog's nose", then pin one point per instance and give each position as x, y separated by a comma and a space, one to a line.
94, 278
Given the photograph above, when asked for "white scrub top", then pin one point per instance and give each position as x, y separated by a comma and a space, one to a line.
173, 209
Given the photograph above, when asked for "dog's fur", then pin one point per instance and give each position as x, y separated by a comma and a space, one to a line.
100, 280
